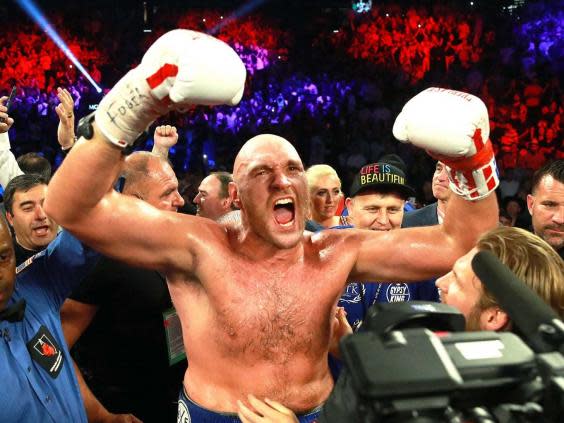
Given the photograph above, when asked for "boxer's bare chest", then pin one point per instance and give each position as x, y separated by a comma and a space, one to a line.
273, 312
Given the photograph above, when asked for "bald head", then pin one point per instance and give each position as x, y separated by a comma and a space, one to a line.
138, 166
149, 177
270, 188
262, 145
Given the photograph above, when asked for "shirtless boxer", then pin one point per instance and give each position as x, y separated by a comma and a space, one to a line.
257, 301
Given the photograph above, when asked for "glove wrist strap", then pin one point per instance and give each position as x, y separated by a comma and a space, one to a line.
474, 184
483, 155
85, 129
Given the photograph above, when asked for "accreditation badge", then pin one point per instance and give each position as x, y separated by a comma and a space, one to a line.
174, 341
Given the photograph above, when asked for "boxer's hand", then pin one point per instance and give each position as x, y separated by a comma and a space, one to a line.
181, 68
454, 128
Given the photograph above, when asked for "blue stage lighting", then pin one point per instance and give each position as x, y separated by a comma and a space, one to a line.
242, 11
34, 13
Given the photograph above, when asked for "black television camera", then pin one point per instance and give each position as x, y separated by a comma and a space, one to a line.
398, 370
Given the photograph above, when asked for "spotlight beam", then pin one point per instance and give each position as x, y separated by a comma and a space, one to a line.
34, 13
242, 11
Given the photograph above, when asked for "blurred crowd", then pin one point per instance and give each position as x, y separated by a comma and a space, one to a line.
415, 40
346, 90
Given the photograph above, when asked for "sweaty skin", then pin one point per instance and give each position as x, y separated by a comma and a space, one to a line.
256, 301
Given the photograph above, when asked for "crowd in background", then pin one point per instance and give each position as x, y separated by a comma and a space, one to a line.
326, 88
415, 39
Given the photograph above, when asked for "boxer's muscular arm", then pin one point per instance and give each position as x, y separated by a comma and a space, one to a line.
454, 127
423, 252
116, 225
181, 68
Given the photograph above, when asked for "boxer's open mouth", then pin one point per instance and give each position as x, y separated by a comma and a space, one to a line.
284, 211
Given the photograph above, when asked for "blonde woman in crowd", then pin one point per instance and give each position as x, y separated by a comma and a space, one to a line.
325, 194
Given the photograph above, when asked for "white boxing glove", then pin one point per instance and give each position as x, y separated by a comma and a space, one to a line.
181, 68
453, 127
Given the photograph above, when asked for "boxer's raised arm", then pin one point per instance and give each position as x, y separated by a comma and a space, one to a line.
414, 254
181, 68
81, 199
454, 127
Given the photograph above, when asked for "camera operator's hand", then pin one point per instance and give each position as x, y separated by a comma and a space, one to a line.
266, 411
65, 111
6, 121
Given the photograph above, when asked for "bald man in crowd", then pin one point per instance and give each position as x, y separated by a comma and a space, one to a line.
257, 301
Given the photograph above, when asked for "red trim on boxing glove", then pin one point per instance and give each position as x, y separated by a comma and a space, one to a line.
165, 71
473, 177
484, 154
474, 184
488, 175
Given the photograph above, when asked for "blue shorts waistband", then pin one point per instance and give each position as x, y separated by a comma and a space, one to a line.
190, 412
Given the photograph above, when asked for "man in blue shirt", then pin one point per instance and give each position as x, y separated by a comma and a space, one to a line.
377, 198
38, 381
33, 229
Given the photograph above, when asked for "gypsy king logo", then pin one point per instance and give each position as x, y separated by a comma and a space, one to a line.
397, 293
183, 415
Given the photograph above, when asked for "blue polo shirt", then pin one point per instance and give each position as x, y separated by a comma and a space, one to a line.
38, 383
